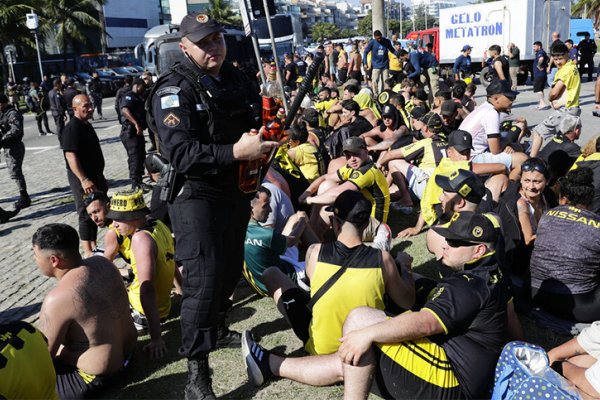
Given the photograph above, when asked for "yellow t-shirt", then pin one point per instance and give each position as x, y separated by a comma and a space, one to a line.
569, 76
432, 192
395, 63
426, 153
164, 270
306, 159
372, 184
362, 284
26, 368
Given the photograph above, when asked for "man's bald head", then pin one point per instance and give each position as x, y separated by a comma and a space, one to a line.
82, 107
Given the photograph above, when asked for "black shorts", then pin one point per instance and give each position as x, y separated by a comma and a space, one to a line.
356, 75
294, 302
417, 369
72, 383
539, 83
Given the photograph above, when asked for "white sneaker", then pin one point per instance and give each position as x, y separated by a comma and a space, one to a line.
383, 238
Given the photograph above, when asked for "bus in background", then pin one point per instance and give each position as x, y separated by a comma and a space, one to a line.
160, 49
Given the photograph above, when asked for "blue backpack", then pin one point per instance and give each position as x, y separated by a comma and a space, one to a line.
523, 373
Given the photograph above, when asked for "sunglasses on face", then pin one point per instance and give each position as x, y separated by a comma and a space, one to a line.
459, 243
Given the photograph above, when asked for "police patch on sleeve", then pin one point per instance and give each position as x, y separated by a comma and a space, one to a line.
171, 120
170, 101
168, 90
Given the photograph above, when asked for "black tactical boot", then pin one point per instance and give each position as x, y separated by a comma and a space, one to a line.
225, 337
199, 384
6, 215
24, 200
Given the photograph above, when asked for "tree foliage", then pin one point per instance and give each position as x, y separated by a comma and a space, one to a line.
421, 21
68, 20
587, 9
328, 30
221, 11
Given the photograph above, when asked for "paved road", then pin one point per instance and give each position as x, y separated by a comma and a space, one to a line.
22, 287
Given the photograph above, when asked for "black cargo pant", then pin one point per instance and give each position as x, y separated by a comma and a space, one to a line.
59, 122
210, 245
14, 161
136, 152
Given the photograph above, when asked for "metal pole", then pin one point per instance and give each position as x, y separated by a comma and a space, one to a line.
11, 70
401, 35
274, 49
263, 76
37, 46
387, 20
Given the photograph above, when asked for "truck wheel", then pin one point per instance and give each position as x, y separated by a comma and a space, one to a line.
486, 75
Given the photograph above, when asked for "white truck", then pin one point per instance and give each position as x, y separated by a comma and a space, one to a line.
521, 22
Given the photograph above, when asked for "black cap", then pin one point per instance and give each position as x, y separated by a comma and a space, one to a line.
433, 121
351, 206
501, 87
465, 183
388, 111
460, 140
354, 144
449, 108
469, 227
3, 98
421, 95
418, 112
197, 26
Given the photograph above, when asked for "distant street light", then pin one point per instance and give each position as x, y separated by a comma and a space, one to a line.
33, 24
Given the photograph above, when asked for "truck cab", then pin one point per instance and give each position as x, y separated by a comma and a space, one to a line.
160, 49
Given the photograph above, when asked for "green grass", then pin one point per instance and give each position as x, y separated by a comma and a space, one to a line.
165, 379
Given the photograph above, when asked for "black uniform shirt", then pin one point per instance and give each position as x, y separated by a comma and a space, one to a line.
471, 305
80, 138
11, 125
135, 104
183, 130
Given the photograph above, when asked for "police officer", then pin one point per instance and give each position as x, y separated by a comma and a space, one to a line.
11, 140
94, 87
132, 131
58, 108
202, 111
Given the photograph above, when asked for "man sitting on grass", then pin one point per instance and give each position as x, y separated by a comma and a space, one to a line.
343, 274
86, 317
151, 254
264, 247
448, 349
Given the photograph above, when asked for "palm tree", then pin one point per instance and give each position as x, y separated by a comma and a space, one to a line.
68, 20
591, 9
12, 27
221, 11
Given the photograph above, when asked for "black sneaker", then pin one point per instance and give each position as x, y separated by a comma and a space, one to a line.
227, 338
256, 359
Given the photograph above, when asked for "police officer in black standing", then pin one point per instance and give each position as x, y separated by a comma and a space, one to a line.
119, 95
69, 93
58, 108
11, 140
94, 87
202, 110
133, 115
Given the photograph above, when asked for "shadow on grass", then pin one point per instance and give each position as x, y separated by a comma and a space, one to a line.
267, 328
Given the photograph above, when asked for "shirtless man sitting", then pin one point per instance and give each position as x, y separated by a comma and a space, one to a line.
86, 317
